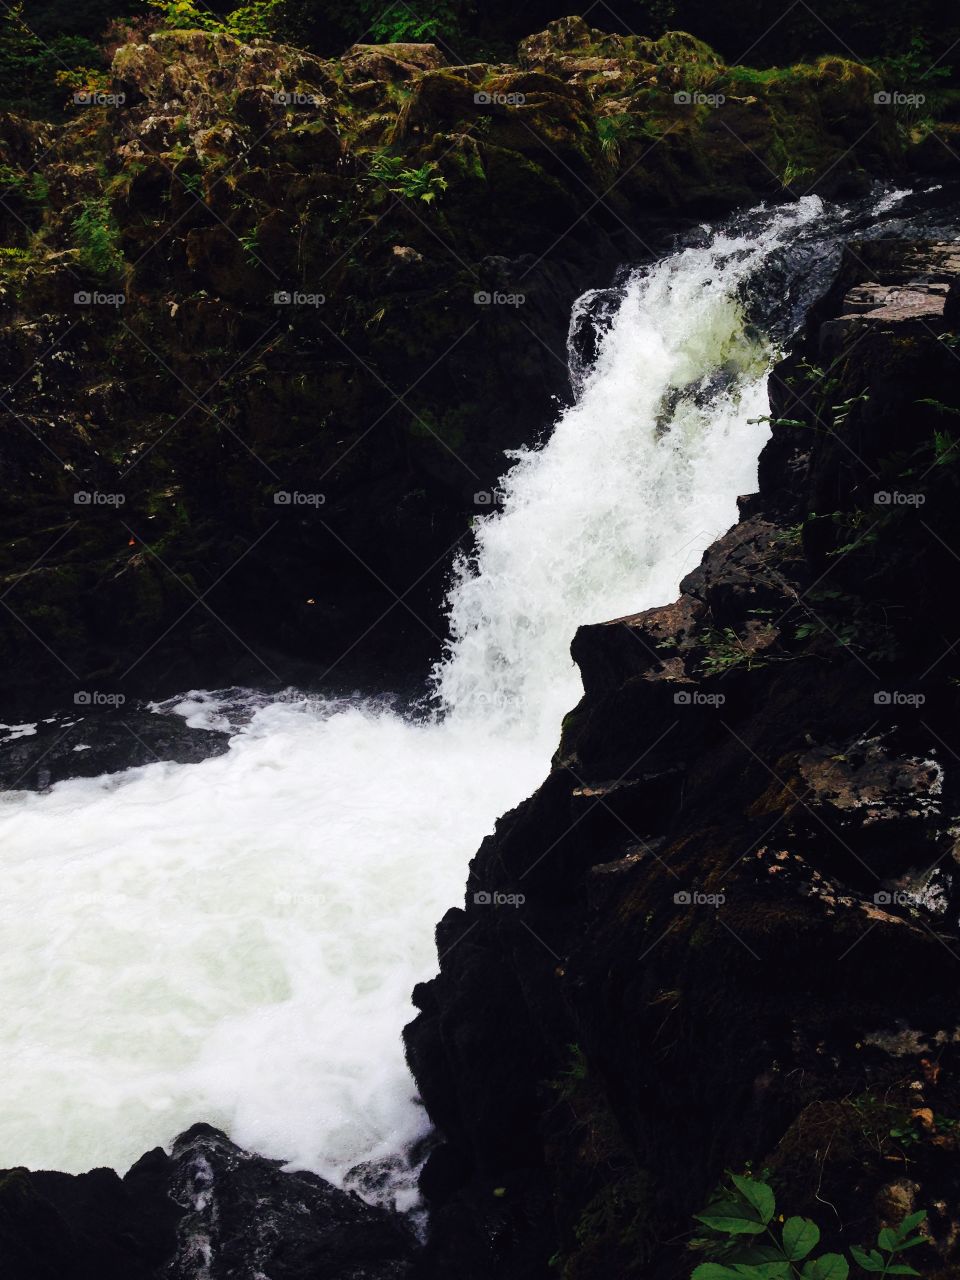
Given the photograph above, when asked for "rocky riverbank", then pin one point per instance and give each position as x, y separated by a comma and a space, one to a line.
270, 320
207, 1209
727, 926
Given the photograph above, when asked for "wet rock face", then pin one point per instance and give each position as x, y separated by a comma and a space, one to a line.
243, 1218
209, 1209
278, 348
734, 904
75, 744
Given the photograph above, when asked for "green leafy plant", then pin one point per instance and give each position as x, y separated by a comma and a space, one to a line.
573, 1076
850, 622
915, 67
842, 411
97, 237
433, 19
612, 132
261, 19
750, 1245
250, 244
423, 184
32, 188
32, 70
726, 650
184, 15
940, 406
753, 1247
193, 183
891, 1242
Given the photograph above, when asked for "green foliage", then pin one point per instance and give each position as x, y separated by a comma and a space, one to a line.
97, 236
32, 70
193, 183
261, 19
944, 447
914, 70
612, 132
32, 188
573, 1076
423, 184
940, 406
618, 1210
891, 1242
250, 244
726, 650
749, 1245
383, 22
184, 15
436, 18
850, 622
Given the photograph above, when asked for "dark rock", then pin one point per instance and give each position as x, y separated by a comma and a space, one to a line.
87, 744
243, 1218
209, 1209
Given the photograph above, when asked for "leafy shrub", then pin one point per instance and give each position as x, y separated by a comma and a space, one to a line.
381, 21
263, 19
29, 65
97, 237
749, 1243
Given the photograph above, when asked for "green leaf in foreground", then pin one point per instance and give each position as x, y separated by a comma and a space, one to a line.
871, 1261
757, 1194
731, 1219
832, 1266
800, 1235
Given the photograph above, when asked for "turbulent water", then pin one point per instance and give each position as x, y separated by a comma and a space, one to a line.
236, 940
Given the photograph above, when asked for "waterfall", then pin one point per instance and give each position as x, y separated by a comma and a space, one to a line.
235, 941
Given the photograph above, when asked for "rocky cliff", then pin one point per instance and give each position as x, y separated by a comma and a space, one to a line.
268, 321
723, 935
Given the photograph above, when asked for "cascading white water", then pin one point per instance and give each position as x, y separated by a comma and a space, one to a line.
236, 940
